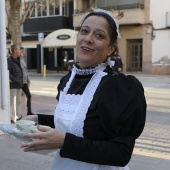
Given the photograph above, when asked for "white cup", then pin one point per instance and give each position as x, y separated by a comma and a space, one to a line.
23, 125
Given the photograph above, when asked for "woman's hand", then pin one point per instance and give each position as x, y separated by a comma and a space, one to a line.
48, 138
119, 69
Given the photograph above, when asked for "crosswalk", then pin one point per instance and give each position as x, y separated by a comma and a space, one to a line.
153, 147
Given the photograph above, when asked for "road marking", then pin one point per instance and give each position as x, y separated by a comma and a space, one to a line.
153, 147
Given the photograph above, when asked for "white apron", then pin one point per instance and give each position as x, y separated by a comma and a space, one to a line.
69, 116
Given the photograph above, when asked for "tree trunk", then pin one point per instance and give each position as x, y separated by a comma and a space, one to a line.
15, 6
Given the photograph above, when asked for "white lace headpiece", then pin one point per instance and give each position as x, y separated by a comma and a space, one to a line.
106, 12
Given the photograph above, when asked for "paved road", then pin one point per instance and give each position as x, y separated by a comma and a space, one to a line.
154, 144
152, 149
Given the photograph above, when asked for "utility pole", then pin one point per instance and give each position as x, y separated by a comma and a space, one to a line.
4, 76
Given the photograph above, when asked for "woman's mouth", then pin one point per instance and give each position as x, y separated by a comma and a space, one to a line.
86, 49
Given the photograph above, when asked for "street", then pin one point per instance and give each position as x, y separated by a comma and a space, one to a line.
44, 91
154, 143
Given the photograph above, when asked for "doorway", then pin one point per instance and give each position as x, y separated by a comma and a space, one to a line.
134, 55
31, 58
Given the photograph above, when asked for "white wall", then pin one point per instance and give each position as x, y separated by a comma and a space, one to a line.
158, 12
161, 43
161, 46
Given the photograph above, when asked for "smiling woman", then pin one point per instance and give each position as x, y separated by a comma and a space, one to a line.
99, 114
93, 42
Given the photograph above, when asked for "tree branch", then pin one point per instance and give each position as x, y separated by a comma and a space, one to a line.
28, 11
8, 19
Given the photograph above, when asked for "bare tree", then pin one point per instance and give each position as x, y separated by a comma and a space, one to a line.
16, 16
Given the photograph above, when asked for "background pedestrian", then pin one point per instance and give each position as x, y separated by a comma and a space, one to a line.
118, 65
26, 81
16, 83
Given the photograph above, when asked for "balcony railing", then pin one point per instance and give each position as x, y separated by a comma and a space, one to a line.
113, 7
126, 6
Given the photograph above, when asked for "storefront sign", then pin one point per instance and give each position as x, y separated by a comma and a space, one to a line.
63, 37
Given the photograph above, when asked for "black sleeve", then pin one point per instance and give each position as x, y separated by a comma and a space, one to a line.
47, 120
121, 63
114, 152
122, 112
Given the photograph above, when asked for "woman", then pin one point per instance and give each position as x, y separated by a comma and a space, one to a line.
99, 115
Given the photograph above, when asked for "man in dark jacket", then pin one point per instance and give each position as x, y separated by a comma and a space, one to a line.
118, 63
16, 83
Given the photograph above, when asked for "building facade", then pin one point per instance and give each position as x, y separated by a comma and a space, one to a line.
145, 32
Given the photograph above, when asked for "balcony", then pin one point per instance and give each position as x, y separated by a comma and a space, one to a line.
131, 17
133, 12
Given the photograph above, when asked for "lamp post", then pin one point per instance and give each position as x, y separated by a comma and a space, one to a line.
4, 81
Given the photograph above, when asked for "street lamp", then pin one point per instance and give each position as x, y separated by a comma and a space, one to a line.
4, 76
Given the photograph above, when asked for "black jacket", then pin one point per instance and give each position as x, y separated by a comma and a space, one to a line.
118, 63
15, 73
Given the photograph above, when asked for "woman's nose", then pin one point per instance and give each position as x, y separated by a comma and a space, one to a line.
89, 38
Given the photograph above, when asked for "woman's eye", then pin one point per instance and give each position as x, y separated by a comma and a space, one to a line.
83, 31
99, 36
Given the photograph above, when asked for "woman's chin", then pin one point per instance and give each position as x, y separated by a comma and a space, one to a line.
85, 63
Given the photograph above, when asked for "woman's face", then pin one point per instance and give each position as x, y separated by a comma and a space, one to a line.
93, 42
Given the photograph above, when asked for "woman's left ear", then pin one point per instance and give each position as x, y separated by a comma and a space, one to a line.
112, 48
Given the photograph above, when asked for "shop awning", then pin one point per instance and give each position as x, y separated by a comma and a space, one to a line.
65, 38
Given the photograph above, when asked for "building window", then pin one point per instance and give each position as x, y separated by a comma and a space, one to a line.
41, 8
65, 7
54, 7
44, 8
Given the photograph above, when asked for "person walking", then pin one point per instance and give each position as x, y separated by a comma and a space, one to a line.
16, 83
118, 64
26, 81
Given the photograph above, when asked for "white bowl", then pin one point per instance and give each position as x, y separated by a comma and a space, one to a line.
23, 125
33, 128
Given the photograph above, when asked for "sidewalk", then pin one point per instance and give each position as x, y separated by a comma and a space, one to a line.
12, 156
61, 73
48, 73
145, 158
